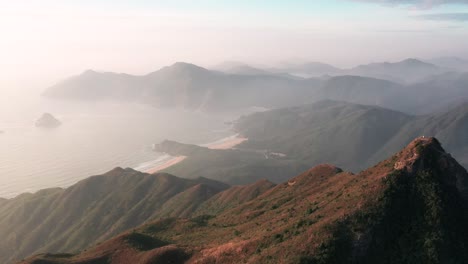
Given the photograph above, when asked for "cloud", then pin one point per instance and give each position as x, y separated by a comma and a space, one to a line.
424, 4
459, 17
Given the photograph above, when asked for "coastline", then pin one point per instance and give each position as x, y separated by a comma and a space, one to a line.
224, 143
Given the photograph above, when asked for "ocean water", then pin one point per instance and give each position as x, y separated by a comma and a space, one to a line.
94, 138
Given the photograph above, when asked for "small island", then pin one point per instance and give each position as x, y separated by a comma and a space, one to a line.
48, 121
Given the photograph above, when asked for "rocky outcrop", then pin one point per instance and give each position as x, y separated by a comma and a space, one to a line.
48, 121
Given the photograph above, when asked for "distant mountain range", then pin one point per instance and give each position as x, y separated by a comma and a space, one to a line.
406, 71
410, 208
191, 87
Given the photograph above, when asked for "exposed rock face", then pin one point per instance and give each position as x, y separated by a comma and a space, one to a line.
427, 154
47, 120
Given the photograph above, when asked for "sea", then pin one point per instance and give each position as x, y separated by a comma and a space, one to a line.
94, 138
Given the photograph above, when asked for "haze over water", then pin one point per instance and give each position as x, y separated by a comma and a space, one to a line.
94, 138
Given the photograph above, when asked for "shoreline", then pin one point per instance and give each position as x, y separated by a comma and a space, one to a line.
221, 144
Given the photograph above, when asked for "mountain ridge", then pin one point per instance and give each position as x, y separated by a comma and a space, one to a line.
325, 215
188, 86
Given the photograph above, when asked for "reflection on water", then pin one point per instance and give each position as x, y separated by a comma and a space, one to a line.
94, 138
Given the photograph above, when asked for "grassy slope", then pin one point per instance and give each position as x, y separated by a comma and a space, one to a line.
233, 197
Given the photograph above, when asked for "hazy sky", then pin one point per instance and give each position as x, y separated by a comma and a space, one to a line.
45, 40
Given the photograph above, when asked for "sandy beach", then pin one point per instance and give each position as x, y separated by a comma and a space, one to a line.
166, 164
225, 143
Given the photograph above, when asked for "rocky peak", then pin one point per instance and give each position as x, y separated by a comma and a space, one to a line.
411, 155
427, 154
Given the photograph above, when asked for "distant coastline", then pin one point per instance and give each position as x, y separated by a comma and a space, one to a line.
224, 143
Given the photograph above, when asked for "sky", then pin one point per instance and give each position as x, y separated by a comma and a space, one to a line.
44, 41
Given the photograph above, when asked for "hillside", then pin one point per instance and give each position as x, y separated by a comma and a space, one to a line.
100, 207
233, 197
336, 132
411, 208
350, 135
94, 210
450, 127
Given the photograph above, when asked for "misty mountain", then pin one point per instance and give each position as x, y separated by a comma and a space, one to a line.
188, 86
92, 85
308, 70
191, 87
451, 62
350, 135
406, 71
365, 90
437, 93
233, 67
410, 208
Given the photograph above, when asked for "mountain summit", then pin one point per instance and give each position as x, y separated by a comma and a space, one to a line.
410, 208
